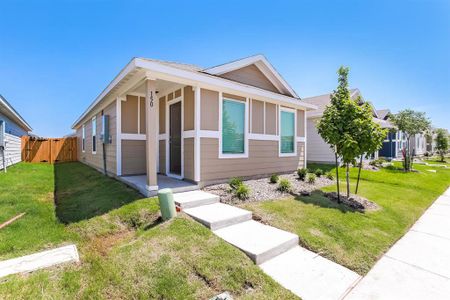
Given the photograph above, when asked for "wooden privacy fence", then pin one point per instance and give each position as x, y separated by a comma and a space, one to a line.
49, 150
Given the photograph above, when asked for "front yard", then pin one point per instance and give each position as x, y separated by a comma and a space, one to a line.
354, 239
125, 250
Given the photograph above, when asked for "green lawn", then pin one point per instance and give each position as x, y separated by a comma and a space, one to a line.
126, 252
355, 239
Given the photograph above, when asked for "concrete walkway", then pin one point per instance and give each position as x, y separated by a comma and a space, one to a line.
276, 251
418, 265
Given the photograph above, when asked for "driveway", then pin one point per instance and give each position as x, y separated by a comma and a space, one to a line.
418, 265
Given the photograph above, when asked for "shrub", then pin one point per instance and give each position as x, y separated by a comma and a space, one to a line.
274, 178
311, 178
242, 192
330, 176
318, 172
377, 162
302, 173
284, 186
235, 182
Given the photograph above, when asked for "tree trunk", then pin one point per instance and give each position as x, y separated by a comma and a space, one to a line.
337, 177
348, 181
359, 174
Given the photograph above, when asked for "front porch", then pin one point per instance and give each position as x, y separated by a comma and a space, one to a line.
139, 182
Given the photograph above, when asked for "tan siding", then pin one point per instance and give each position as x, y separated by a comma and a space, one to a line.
189, 158
300, 123
142, 126
133, 157
178, 93
209, 110
162, 115
318, 150
263, 160
271, 118
257, 116
162, 157
188, 108
169, 96
96, 160
251, 75
130, 115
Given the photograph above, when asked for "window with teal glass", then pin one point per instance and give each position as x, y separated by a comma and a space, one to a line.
287, 132
233, 121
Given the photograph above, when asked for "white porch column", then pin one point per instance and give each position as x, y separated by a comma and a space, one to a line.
151, 123
197, 116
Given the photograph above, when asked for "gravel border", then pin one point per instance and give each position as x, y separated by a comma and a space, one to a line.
262, 189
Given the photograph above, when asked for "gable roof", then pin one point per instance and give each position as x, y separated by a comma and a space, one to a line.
383, 113
188, 75
9, 111
261, 62
322, 101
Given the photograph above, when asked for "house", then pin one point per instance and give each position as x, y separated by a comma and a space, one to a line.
160, 120
395, 140
318, 150
12, 128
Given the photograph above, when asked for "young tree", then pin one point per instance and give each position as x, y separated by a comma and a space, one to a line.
369, 137
442, 142
339, 126
410, 122
331, 125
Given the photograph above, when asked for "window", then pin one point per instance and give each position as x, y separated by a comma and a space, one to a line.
287, 136
94, 135
233, 127
83, 138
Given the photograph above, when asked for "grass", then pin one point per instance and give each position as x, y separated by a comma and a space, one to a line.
126, 252
353, 239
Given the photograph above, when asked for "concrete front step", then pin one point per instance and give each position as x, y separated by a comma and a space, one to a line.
309, 275
194, 199
260, 242
218, 215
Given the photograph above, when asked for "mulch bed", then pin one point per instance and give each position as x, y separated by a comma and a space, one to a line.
354, 201
262, 189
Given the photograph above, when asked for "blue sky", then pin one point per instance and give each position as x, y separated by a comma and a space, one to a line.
57, 56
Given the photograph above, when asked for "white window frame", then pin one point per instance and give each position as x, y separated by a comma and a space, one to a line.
246, 128
83, 138
94, 133
294, 111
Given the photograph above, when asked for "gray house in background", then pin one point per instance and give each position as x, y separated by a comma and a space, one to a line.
12, 128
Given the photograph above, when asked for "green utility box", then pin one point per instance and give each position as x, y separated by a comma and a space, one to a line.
167, 204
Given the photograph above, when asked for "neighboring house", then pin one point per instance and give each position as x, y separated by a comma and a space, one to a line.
395, 140
12, 128
201, 125
318, 150
418, 144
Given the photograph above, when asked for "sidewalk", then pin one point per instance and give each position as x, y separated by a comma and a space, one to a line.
418, 265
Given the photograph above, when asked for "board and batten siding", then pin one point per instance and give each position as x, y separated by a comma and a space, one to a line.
251, 75
12, 152
96, 160
318, 150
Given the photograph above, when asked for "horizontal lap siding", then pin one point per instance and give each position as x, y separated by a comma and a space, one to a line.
133, 157
318, 149
96, 160
263, 159
13, 150
189, 158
